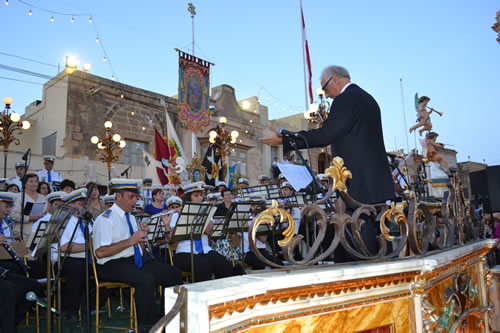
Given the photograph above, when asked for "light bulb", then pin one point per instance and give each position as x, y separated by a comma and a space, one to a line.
245, 105
94, 139
6, 2
213, 134
104, 59
86, 67
72, 20
112, 77
15, 117
233, 140
116, 137
307, 115
122, 144
235, 134
26, 124
100, 145
52, 19
7, 101
97, 39
211, 139
30, 13
223, 120
90, 19
320, 91
108, 124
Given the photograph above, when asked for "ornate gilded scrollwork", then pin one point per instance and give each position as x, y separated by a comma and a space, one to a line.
269, 217
339, 174
418, 231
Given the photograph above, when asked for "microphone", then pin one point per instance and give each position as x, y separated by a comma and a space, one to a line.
32, 297
285, 132
126, 170
25, 156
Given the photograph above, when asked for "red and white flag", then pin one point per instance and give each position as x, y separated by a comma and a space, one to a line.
305, 50
162, 156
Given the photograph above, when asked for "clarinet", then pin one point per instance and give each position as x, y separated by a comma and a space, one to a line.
16, 258
147, 246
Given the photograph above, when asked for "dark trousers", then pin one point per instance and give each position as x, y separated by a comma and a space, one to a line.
144, 280
73, 290
204, 265
253, 261
13, 304
37, 269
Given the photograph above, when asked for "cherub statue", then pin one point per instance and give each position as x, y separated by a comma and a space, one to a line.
432, 151
423, 116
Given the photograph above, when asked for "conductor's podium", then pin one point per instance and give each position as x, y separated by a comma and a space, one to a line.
438, 292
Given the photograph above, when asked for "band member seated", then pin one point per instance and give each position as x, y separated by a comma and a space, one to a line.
207, 262
13, 286
8, 235
264, 180
118, 245
54, 199
20, 171
212, 198
108, 200
258, 205
243, 183
287, 192
221, 186
74, 265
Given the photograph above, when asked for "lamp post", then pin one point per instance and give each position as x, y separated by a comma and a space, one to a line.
108, 146
10, 124
222, 140
318, 112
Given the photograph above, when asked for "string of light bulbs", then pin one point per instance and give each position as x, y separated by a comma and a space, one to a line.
53, 13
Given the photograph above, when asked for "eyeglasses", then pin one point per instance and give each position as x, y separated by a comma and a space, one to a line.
324, 86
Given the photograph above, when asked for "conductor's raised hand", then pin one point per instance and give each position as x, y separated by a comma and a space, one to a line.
273, 140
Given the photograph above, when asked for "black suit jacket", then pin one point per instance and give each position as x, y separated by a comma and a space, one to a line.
354, 130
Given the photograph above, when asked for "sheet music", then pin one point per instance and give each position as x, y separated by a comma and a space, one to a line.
296, 175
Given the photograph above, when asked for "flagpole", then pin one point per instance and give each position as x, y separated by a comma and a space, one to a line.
192, 11
303, 55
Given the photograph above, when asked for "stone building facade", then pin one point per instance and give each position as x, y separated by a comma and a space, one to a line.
75, 106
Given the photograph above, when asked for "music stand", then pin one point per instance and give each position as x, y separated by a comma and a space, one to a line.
157, 232
191, 224
51, 234
218, 228
270, 191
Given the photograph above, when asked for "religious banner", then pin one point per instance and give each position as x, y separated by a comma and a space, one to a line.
193, 108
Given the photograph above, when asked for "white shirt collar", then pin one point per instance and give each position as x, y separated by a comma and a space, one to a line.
345, 87
118, 210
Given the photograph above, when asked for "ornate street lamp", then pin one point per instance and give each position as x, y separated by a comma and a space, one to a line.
222, 140
107, 147
10, 124
318, 112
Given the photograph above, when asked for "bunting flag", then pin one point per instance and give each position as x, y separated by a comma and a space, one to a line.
214, 168
163, 155
193, 108
305, 50
231, 176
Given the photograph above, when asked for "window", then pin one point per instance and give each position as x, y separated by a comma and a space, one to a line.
132, 153
49, 144
239, 157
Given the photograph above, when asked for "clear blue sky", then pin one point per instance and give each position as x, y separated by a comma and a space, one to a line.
443, 49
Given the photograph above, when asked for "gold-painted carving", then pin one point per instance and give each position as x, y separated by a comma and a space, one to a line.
339, 173
268, 217
392, 214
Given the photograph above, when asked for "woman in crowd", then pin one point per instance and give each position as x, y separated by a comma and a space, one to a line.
95, 205
43, 188
33, 199
157, 205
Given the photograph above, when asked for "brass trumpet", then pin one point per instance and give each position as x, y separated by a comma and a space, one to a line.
433, 110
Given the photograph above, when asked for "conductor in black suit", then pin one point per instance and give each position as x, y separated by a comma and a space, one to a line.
354, 131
